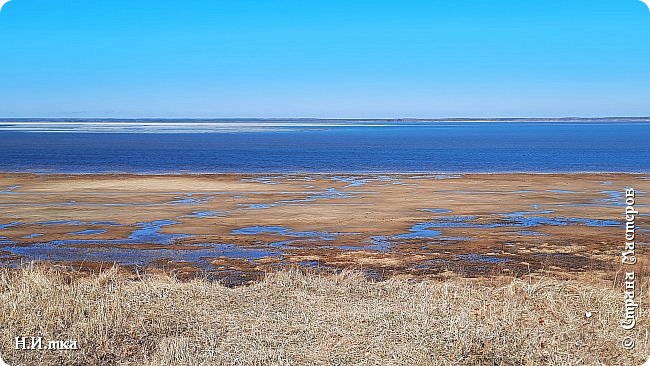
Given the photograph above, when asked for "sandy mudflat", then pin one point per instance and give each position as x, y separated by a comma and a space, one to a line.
243, 225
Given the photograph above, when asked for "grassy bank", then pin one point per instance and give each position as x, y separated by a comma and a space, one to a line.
291, 318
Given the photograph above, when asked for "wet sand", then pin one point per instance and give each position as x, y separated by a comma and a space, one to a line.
238, 227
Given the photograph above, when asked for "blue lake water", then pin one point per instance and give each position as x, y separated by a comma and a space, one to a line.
446, 147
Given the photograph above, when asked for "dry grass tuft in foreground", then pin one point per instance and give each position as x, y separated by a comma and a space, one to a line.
291, 318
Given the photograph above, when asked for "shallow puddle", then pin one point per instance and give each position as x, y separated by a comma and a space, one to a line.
88, 232
435, 210
8, 225
283, 231
202, 214
56, 251
9, 189
482, 258
30, 236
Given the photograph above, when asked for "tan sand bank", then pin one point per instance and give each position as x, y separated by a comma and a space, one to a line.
240, 226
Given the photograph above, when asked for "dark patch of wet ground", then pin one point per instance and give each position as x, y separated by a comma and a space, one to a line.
272, 247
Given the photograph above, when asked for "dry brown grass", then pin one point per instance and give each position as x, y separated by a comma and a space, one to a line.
291, 318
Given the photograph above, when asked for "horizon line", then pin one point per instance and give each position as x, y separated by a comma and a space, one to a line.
394, 119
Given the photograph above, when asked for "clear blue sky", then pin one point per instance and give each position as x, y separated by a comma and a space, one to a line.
328, 58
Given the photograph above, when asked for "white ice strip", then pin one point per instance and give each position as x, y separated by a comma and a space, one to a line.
169, 127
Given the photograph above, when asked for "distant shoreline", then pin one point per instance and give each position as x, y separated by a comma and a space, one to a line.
325, 120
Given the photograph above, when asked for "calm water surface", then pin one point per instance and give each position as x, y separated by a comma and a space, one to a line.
447, 147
